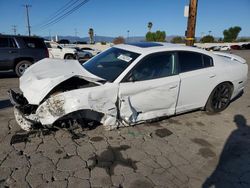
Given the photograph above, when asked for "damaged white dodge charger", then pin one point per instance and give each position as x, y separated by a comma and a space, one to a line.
128, 84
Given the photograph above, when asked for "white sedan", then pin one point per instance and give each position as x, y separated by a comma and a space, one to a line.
128, 84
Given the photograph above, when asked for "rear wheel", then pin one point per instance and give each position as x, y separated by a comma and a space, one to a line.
69, 56
220, 98
87, 56
21, 67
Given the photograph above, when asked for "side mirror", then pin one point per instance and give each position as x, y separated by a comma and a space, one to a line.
59, 47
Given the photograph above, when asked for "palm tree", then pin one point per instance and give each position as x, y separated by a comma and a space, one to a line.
150, 25
91, 35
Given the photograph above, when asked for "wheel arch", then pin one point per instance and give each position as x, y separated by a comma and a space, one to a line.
222, 82
17, 60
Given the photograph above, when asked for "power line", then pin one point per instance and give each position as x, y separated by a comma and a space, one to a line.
14, 29
57, 13
65, 14
27, 15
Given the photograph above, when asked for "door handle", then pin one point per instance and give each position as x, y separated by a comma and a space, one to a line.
212, 75
172, 86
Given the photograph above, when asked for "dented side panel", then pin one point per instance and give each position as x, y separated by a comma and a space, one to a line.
99, 99
144, 100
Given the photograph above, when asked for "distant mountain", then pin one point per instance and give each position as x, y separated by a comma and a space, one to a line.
96, 38
135, 39
110, 39
82, 39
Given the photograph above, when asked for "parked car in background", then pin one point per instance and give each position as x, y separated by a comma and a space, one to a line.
82, 54
224, 48
60, 52
91, 50
19, 52
246, 46
219, 48
128, 84
235, 47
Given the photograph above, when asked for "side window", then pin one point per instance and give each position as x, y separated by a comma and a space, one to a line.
189, 61
154, 66
7, 43
4, 43
207, 61
12, 43
34, 43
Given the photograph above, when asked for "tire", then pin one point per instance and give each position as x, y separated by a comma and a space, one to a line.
69, 56
21, 67
220, 98
87, 56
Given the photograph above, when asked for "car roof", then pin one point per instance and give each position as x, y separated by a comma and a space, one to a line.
20, 36
151, 47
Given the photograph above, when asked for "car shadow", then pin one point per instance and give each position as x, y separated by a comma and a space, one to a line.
7, 74
233, 168
5, 104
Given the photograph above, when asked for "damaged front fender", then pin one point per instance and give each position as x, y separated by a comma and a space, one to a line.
100, 99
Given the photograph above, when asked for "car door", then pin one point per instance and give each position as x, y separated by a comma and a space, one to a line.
150, 89
8, 53
198, 78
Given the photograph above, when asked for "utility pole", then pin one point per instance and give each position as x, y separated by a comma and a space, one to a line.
28, 19
190, 34
14, 29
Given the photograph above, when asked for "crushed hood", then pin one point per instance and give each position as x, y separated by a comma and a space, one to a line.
43, 76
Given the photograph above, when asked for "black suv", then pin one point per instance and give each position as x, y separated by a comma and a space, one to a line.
19, 52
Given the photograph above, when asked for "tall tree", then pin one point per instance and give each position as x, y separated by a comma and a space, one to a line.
150, 25
231, 34
91, 35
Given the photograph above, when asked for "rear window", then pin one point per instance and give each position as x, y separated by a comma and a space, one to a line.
34, 42
189, 61
207, 61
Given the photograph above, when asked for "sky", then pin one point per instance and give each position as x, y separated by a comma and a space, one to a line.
115, 17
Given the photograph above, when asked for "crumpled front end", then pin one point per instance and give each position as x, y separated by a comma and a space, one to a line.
94, 103
23, 111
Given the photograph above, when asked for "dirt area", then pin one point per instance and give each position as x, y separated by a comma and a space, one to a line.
189, 150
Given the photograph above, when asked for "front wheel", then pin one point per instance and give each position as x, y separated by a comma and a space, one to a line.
21, 67
220, 98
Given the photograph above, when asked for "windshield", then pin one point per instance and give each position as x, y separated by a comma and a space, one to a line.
111, 63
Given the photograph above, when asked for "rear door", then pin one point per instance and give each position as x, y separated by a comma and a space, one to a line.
8, 52
34, 48
150, 90
198, 79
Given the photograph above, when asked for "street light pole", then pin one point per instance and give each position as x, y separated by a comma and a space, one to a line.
190, 34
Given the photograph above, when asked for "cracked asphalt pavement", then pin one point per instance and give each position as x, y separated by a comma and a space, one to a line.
190, 150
